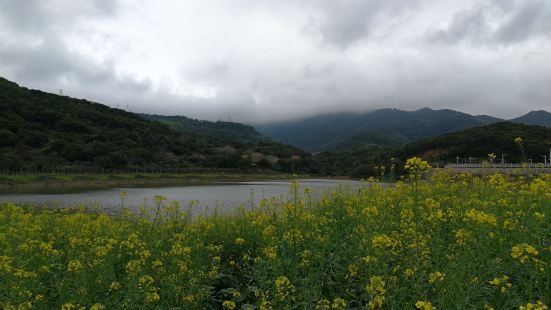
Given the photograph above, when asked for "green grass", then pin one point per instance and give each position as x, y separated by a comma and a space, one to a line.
67, 178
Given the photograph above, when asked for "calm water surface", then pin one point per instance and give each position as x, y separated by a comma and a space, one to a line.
223, 197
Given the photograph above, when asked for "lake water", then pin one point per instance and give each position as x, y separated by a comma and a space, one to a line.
223, 197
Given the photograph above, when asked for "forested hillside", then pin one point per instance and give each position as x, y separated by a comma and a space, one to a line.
40, 131
226, 130
384, 127
476, 143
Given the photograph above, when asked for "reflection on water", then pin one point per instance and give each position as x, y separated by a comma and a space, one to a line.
215, 196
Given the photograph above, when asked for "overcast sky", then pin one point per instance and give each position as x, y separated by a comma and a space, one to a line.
269, 60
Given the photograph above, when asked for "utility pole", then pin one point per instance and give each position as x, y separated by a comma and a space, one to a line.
503, 159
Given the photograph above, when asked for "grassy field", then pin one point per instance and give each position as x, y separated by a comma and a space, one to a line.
450, 242
39, 178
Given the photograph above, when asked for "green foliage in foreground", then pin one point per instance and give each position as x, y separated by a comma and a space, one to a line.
453, 242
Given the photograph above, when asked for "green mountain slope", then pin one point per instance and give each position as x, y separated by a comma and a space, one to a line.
380, 127
541, 118
41, 132
478, 142
227, 130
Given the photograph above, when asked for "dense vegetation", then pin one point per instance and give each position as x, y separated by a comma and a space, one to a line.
453, 242
226, 130
381, 128
42, 132
477, 143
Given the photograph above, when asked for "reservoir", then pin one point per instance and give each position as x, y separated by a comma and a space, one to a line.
219, 197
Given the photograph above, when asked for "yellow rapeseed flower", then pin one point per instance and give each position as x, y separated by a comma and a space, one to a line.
97, 306
435, 277
381, 240
376, 288
239, 241
74, 265
228, 304
338, 303
424, 305
539, 305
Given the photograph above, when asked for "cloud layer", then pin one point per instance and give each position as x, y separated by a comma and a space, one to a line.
261, 61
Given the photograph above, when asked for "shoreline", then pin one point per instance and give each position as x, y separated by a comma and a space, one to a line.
14, 184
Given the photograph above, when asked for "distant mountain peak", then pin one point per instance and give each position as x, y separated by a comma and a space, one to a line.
539, 117
425, 109
379, 127
538, 112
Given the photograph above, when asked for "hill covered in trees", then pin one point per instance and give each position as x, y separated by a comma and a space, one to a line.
477, 143
40, 131
44, 132
384, 127
227, 130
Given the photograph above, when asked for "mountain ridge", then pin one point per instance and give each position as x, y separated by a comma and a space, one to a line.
326, 132
228, 130
43, 132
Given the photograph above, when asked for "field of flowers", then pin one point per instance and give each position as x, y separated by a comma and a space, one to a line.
447, 242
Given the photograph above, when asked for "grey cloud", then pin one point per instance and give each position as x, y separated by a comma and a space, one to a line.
22, 16
469, 25
30, 63
46, 62
51, 65
346, 22
259, 79
41, 16
532, 18
501, 22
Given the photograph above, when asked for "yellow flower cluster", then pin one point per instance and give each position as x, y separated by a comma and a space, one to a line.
409, 245
481, 217
523, 252
417, 164
74, 265
539, 305
338, 303
376, 289
502, 283
228, 304
239, 241
424, 305
284, 288
381, 241
435, 277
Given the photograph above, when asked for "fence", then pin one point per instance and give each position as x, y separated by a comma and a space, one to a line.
512, 168
94, 170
